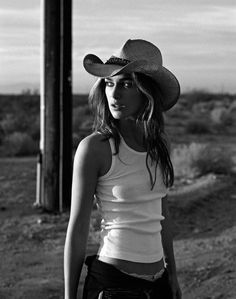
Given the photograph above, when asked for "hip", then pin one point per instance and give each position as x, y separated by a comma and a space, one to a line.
110, 282
130, 267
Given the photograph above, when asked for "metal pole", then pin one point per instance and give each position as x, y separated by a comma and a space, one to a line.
39, 181
42, 78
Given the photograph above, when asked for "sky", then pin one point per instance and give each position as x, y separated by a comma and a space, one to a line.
197, 39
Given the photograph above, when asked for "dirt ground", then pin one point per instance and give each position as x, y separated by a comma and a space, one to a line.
31, 242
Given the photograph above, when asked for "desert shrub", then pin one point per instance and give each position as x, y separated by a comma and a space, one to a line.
197, 127
212, 160
2, 134
178, 113
182, 157
8, 124
80, 115
198, 159
19, 144
223, 119
34, 129
216, 114
17, 122
222, 115
197, 96
227, 119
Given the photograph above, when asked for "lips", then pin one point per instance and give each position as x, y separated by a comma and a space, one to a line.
117, 106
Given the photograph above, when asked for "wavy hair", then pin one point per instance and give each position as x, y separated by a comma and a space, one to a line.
151, 116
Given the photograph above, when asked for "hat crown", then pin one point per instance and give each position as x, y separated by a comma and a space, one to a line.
138, 49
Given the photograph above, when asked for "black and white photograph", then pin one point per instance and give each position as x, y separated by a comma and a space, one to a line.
117, 149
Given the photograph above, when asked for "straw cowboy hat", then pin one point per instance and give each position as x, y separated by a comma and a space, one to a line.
139, 56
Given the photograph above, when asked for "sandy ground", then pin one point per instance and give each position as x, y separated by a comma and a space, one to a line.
31, 242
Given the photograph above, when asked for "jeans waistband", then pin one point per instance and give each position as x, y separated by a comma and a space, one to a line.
109, 282
149, 277
107, 272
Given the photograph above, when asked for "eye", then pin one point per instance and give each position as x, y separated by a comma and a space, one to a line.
109, 83
128, 84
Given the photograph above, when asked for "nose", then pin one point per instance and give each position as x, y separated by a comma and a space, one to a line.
115, 92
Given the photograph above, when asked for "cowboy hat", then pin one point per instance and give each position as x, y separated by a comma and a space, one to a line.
139, 56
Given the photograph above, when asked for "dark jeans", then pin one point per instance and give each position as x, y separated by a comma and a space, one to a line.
118, 285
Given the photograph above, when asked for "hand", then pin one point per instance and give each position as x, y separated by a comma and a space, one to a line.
174, 284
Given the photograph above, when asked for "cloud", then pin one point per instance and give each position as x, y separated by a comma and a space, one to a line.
213, 18
19, 27
12, 18
19, 5
193, 35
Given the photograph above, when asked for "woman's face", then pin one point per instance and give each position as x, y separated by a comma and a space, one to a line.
123, 97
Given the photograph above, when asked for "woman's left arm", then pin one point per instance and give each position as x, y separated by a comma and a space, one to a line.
167, 241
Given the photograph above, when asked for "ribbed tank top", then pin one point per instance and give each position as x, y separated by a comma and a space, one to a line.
131, 211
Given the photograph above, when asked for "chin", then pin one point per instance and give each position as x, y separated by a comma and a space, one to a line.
117, 115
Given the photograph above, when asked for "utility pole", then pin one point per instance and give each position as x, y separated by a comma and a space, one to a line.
66, 105
56, 132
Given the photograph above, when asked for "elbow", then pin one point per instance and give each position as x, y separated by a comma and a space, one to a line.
76, 241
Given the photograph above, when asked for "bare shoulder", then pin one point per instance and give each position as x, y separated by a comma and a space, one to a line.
95, 150
92, 144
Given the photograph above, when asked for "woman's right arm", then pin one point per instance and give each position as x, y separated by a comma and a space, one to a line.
85, 174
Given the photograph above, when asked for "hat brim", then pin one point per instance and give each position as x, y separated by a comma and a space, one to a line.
166, 80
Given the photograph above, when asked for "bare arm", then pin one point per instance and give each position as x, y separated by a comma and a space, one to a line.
85, 174
167, 241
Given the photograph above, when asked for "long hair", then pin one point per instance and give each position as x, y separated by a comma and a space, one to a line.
151, 116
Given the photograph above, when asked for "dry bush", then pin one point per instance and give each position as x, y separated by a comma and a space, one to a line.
21, 122
19, 144
81, 114
8, 124
196, 126
212, 160
2, 135
182, 157
34, 129
223, 119
197, 159
197, 96
217, 113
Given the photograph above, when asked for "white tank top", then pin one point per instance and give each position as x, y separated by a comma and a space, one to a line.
131, 211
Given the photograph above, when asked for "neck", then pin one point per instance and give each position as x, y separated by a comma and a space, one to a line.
132, 133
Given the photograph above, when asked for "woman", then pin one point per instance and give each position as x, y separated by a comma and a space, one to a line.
125, 165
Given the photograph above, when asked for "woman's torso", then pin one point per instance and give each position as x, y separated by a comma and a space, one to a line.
125, 265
